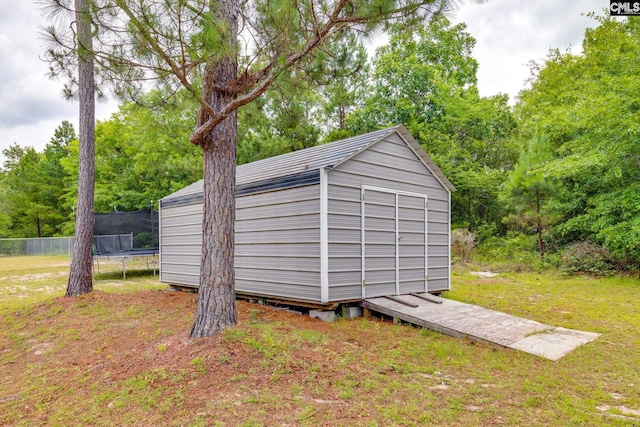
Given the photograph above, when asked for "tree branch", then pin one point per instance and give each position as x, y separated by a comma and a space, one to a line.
176, 70
264, 78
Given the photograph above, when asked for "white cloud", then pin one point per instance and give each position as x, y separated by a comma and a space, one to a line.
509, 34
31, 104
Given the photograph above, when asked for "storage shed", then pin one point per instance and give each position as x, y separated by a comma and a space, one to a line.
353, 219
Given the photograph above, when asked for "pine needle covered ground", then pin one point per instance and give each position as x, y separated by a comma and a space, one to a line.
121, 356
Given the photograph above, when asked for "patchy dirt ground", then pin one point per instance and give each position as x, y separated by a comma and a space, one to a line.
129, 356
123, 357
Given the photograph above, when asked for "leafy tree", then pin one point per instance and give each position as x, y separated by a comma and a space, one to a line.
5, 208
280, 121
342, 74
56, 179
527, 189
59, 143
302, 105
414, 72
33, 185
588, 107
143, 153
475, 146
255, 132
426, 80
24, 195
12, 155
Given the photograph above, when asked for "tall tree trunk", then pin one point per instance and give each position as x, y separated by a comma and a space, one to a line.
80, 280
216, 309
539, 225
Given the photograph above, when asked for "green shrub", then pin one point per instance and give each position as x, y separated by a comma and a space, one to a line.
485, 231
513, 252
587, 258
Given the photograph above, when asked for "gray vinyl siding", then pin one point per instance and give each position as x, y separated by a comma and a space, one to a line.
277, 244
180, 244
389, 164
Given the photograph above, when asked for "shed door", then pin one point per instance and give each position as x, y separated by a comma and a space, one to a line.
393, 242
412, 241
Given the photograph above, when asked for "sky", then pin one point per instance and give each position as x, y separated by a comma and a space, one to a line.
509, 34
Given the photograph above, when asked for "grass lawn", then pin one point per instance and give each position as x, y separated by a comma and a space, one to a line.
122, 356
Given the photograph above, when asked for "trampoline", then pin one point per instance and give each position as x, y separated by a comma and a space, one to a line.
126, 255
125, 236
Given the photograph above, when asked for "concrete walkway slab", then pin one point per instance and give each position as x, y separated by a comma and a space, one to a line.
480, 324
554, 343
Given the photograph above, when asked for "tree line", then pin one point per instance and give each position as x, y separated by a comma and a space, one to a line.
558, 173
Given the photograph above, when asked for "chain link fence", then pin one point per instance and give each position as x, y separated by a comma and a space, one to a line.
60, 245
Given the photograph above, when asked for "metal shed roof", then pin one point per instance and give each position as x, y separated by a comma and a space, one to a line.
303, 163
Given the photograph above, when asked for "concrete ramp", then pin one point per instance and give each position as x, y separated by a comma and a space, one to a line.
480, 324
